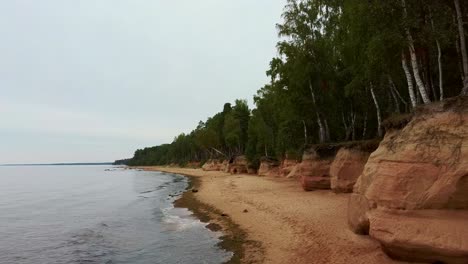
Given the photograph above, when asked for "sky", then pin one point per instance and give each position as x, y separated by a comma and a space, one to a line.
94, 80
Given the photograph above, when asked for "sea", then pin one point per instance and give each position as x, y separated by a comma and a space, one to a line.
99, 214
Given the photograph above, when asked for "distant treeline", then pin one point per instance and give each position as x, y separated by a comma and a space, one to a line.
342, 67
122, 162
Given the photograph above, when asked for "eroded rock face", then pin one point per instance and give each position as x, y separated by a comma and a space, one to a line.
193, 164
314, 172
422, 235
268, 168
346, 168
239, 165
413, 193
214, 165
287, 166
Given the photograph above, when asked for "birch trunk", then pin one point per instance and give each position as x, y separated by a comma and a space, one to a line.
305, 133
457, 48
439, 62
414, 60
441, 77
377, 108
319, 120
461, 33
327, 131
409, 79
364, 129
395, 100
393, 86
345, 126
417, 76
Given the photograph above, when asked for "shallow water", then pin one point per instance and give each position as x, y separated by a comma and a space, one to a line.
85, 214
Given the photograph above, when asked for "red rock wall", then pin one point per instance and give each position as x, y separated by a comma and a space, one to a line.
239, 165
410, 186
346, 169
313, 172
268, 168
214, 165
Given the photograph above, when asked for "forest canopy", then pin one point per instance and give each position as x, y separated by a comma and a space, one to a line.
342, 68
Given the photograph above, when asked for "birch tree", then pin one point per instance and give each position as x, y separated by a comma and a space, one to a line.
461, 34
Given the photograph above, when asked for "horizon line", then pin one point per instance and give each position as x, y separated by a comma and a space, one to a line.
58, 164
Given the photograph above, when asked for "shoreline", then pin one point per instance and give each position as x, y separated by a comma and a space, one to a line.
272, 220
233, 239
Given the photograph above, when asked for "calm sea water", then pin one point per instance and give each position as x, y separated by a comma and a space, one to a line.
85, 214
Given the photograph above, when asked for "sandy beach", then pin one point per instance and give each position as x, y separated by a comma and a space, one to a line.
281, 222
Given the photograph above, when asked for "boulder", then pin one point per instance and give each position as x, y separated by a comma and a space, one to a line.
346, 168
413, 193
422, 235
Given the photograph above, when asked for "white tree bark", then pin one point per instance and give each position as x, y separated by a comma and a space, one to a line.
305, 132
417, 75
441, 77
322, 136
393, 86
439, 62
461, 33
409, 79
395, 100
364, 129
377, 108
345, 126
327, 131
414, 60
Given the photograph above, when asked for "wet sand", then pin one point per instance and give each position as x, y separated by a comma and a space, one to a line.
272, 220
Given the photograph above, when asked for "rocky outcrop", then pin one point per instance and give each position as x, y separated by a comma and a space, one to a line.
413, 193
422, 235
239, 165
251, 170
193, 164
269, 167
214, 165
346, 168
314, 172
287, 166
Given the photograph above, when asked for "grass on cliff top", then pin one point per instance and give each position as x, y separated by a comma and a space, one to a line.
458, 104
397, 122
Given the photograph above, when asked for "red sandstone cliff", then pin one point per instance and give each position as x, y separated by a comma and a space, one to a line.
413, 193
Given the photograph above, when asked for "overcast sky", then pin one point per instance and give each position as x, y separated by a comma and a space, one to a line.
93, 80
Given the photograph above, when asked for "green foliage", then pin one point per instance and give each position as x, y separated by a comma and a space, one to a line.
329, 56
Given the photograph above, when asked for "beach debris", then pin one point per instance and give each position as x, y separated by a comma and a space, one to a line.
246, 211
194, 190
224, 215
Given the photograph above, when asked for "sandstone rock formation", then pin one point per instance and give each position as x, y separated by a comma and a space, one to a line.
268, 167
193, 164
314, 171
346, 168
413, 193
239, 165
214, 165
287, 166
